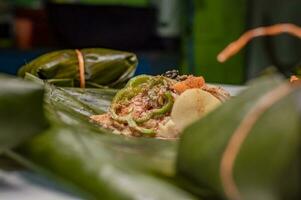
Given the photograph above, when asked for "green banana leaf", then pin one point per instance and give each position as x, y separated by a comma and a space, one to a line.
21, 111
268, 163
103, 67
106, 166
99, 165
84, 157
72, 107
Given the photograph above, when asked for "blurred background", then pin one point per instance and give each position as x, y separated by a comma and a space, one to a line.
165, 34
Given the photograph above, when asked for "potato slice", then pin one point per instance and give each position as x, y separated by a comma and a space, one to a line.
192, 105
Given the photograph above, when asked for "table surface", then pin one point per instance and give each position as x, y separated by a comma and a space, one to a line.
27, 185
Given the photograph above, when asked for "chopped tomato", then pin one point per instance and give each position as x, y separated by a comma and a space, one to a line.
190, 82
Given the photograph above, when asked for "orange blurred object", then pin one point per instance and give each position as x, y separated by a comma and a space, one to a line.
24, 33
295, 79
32, 28
276, 29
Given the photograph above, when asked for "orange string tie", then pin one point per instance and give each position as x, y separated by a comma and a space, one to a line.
237, 45
81, 66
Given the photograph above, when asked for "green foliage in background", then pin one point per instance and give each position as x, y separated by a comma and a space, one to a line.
212, 25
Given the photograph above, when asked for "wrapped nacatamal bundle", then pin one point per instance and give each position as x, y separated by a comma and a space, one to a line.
93, 67
249, 148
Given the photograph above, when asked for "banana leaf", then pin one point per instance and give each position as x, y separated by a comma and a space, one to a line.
92, 162
266, 165
21, 111
103, 67
83, 156
104, 167
73, 106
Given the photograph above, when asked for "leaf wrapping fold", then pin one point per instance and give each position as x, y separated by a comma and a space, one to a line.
268, 156
21, 111
103, 67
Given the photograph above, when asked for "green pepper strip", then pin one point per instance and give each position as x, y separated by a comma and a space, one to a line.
130, 121
133, 125
129, 92
138, 80
158, 111
124, 94
118, 118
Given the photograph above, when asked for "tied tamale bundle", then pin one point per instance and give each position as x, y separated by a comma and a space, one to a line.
96, 67
248, 148
18, 100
